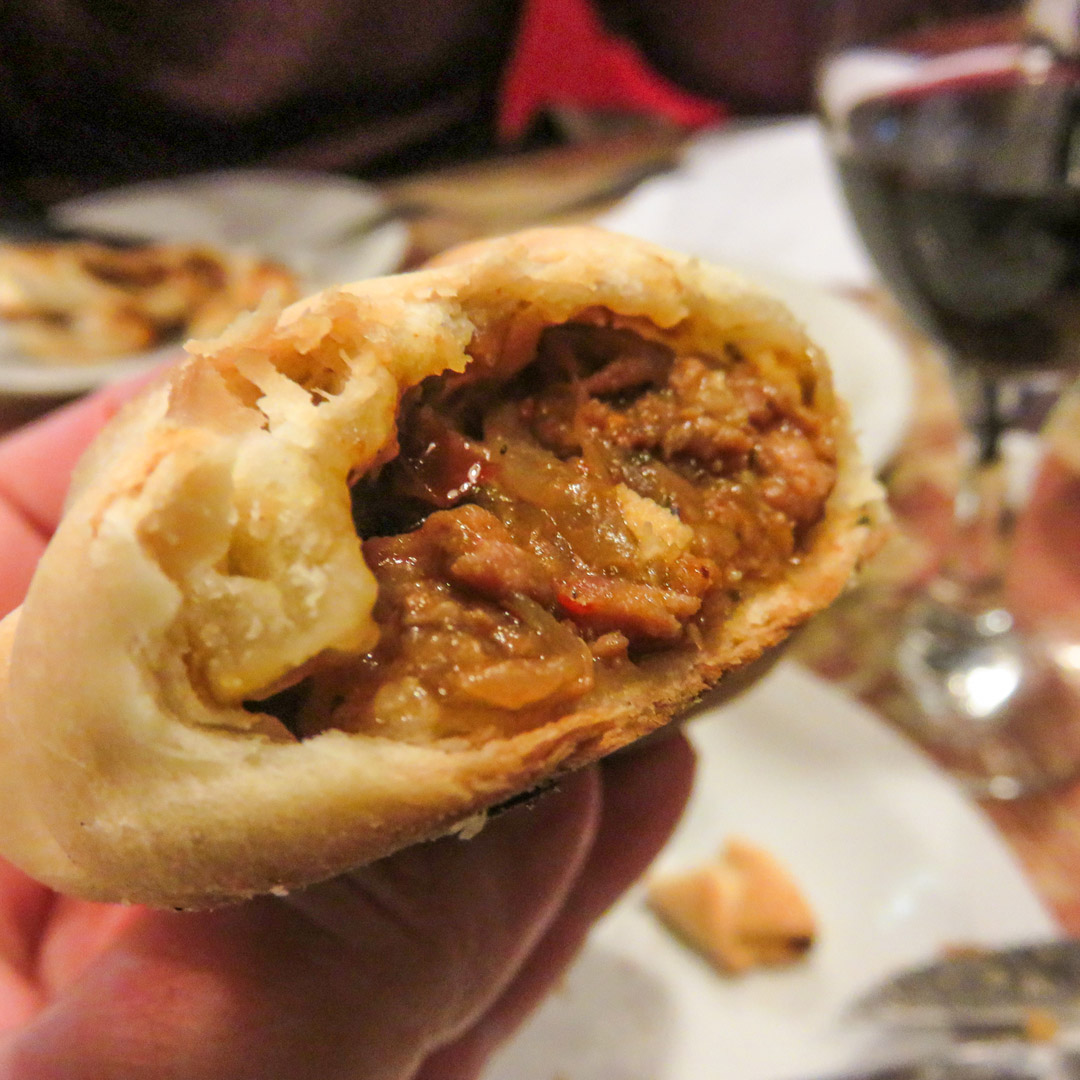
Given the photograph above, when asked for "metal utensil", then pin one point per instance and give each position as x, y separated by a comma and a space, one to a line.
1023, 991
993, 1065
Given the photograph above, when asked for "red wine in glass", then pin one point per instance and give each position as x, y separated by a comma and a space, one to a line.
967, 192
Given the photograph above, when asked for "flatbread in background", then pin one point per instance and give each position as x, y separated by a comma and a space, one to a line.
348, 578
81, 302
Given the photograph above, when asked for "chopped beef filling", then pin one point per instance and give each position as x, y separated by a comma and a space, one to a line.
534, 537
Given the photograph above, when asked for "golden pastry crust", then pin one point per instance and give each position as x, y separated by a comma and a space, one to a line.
208, 550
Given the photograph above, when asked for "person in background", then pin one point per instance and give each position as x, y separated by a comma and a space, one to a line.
101, 92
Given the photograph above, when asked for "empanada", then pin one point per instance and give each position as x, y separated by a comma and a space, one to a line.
349, 577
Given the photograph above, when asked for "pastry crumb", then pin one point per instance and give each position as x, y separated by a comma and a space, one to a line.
740, 911
471, 826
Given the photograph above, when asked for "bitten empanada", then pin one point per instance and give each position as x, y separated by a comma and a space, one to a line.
349, 577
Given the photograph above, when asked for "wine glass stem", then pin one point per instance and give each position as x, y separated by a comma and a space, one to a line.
973, 570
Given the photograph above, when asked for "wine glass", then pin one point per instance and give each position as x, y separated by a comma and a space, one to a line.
955, 130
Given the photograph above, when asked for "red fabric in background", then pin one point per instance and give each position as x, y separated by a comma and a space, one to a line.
565, 57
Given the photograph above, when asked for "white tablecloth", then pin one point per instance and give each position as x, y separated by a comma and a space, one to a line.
761, 195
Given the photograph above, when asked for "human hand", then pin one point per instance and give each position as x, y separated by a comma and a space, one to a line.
415, 967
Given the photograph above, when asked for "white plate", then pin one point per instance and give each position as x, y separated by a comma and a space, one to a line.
294, 217
896, 863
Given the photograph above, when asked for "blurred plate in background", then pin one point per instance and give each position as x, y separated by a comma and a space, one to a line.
306, 221
298, 218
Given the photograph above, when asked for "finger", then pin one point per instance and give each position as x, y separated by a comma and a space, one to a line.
36, 460
78, 932
357, 978
34, 962
22, 543
24, 908
644, 794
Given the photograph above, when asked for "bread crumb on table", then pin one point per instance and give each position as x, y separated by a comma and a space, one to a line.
740, 911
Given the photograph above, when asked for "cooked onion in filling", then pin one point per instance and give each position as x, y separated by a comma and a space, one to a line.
540, 533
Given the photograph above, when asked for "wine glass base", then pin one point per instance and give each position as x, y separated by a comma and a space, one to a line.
995, 706
896, 650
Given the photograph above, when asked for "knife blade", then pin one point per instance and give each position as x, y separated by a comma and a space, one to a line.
1027, 991
960, 1070
982, 1060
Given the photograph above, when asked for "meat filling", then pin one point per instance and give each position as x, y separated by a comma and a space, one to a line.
611, 500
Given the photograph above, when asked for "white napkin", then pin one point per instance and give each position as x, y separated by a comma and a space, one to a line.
760, 195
